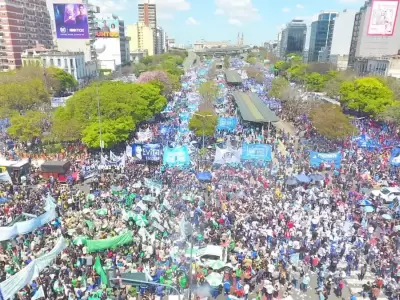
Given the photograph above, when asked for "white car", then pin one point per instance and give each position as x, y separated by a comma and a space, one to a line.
388, 194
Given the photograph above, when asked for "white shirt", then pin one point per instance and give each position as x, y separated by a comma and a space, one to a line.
246, 289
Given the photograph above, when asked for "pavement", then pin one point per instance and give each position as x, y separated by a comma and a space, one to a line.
189, 60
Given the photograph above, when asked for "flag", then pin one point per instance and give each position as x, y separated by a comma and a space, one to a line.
39, 294
100, 271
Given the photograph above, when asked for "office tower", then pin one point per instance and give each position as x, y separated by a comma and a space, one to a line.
23, 25
321, 37
141, 39
148, 16
375, 35
341, 39
292, 38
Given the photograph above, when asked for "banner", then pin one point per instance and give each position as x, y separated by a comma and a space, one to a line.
111, 243
228, 124
152, 152
154, 186
364, 141
71, 21
177, 156
227, 156
117, 161
327, 159
166, 130
144, 136
12, 285
256, 152
19, 228
395, 157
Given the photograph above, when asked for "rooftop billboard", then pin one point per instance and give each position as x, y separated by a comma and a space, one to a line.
107, 28
382, 20
71, 21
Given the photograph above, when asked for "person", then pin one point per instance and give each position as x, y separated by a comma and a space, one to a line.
114, 28
105, 27
69, 16
81, 18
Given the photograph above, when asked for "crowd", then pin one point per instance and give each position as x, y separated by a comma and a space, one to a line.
266, 230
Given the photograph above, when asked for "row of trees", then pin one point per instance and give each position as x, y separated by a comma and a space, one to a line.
120, 106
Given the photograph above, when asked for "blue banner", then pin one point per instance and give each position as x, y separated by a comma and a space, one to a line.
228, 124
177, 156
317, 158
256, 152
395, 157
152, 152
364, 141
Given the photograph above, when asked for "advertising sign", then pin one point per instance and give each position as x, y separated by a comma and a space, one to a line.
382, 20
71, 21
107, 28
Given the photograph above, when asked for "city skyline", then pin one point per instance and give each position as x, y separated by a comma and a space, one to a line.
230, 17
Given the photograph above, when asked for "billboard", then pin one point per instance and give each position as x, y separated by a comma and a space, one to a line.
382, 20
107, 28
71, 21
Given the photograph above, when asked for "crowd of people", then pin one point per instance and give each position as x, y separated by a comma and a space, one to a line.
277, 229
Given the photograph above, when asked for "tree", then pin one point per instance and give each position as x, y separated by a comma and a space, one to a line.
159, 76
315, 82
26, 127
391, 114
330, 122
123, 103
369, 94
226, 62
255, 73
282, 65
279, 85
394, 84
297, 73
321, 68
209, 92
334, 81
59, 80
113, 132
251, 60
205, 124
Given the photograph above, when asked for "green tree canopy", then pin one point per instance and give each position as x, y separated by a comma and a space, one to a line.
209, 92
297, 72
315, 82
251, 60
226, 62
26, 127
119, 102
60, 80
330, 122
279, 85
369, 94
203, 122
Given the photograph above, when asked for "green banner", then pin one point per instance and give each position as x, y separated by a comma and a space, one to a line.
100, 271
111, 243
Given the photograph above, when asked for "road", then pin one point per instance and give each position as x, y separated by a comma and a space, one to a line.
189, 60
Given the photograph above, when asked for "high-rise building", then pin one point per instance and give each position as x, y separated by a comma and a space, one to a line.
160, 42
375, 35
23, 24
293, 38
111, 44
148, 16
341, 39
142, 38
321, 37
71, 44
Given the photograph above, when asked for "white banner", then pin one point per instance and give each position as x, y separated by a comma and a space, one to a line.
227, 156
144, 136
12, 285
7, 233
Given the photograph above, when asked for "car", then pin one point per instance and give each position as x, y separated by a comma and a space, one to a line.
388, 194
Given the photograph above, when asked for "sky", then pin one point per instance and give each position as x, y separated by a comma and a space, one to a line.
189, 21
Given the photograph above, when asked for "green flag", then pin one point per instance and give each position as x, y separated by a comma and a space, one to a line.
89, 224
100, 271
